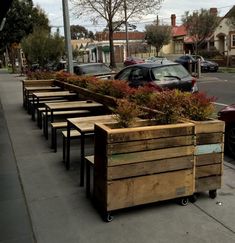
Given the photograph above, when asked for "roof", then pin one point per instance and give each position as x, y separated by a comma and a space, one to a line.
179, 31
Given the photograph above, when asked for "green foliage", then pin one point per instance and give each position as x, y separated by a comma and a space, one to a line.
78, 31
42, 48
158, 35
169, 105
20, 21
126, 112
198, 106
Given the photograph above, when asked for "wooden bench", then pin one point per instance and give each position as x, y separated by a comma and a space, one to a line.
54, 127
35, 83
63, 115
89, 163
73, 134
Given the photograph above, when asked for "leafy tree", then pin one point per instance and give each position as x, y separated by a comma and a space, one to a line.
42, 48
158, 35
78, 31
21, 18
113, 11
200, 25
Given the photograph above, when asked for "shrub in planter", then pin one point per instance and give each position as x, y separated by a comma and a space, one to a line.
40, 75
126, 113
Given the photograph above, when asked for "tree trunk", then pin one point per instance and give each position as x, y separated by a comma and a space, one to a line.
112, 56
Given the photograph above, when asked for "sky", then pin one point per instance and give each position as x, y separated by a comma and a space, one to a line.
53, 9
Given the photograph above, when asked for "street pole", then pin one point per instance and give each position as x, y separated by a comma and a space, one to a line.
67, 35
126, 29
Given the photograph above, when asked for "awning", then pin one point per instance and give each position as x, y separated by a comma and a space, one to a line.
105, 49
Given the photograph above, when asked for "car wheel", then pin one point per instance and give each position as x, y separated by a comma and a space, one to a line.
230, 140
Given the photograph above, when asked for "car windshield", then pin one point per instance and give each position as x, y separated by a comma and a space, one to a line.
165, 72
91, 69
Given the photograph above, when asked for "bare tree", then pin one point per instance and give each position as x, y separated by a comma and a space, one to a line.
112, 11
200, 25
158, 35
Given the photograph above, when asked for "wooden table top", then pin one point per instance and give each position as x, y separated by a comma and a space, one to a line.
72, 104
42, 88
53, 94
87, 124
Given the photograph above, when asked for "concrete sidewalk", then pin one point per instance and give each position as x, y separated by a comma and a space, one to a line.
42, 202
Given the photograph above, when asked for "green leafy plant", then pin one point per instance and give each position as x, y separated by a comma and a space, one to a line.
168, 105
198, 106
126, 112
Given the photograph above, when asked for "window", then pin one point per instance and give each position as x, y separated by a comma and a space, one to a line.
233, 40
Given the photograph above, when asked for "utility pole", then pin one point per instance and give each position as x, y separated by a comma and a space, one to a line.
126, 29
67, 34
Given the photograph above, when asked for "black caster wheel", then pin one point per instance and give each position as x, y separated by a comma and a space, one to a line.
213, 194
108, 217
184, 201
193, 198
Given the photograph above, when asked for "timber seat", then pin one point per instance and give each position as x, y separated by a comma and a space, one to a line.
89, 163
54, 127
73, 134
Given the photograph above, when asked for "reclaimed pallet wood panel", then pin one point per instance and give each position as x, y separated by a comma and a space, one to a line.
143, 164
209, 154
128, 158
150, 167
206, 159
208, 170
208, 183
147, 189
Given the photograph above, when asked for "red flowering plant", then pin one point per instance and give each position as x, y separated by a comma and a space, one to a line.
40, 75
198, 106
62, 76
120, 89
165, 107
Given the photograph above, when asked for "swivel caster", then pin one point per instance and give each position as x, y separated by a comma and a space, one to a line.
108, 217
184, 201
193, 198
213, 194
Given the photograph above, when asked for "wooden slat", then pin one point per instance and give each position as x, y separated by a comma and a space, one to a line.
209, 138
206, 159
208, 183
149, 155
151, 144
147, 168
209, 126
149, 132
208, 170
147, 189
208, 148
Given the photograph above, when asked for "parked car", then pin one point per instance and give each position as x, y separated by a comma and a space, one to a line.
186, 61
100, 70
133, 60
206, 65
227, 114
158, 59
170, 75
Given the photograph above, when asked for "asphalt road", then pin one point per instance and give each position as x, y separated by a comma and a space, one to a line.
220, 85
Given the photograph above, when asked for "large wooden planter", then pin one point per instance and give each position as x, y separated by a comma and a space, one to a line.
144, 164
209, 155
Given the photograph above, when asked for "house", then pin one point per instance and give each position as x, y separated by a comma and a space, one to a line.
224, 36
99, 49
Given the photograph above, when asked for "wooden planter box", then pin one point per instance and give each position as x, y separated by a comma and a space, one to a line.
209, 155
144, 164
